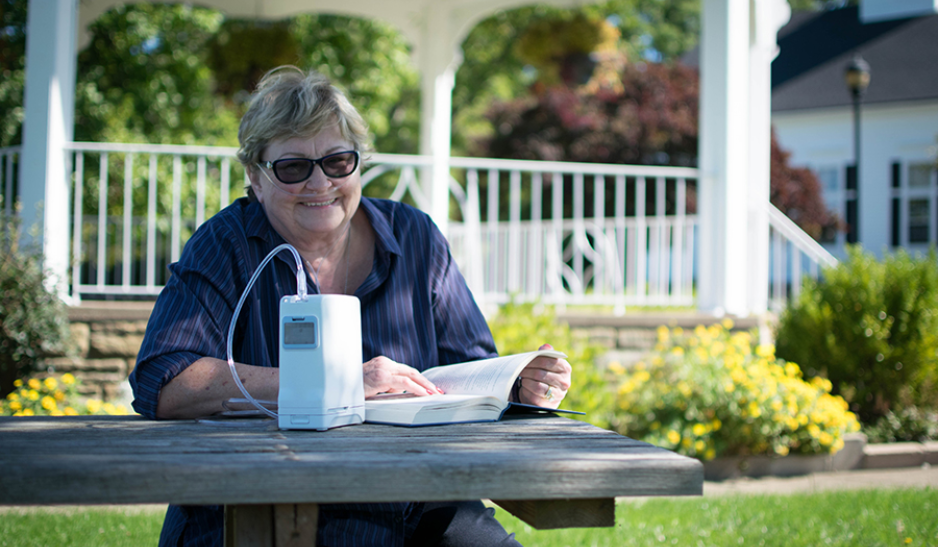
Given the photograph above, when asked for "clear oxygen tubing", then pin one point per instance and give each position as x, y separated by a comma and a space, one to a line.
301, 294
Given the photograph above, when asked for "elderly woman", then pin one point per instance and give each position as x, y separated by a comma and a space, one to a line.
301, 144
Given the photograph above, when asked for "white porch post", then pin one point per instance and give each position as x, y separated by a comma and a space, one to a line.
768, 17
438, 59
736, 48
49, 122
724, 196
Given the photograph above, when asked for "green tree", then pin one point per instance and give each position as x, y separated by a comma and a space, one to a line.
12, 70
492, 71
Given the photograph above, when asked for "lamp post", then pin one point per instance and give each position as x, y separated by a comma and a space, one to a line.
857, 77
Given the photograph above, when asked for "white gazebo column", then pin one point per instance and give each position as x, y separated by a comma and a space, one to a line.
768, 17
48, 125
438, 58
723, 152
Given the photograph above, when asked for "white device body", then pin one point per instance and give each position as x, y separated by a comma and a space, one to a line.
321, 384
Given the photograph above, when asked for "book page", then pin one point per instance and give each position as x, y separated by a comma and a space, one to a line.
493, 377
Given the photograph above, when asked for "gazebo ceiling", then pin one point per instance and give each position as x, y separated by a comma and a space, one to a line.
412, 17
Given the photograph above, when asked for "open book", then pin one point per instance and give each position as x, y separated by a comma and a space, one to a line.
476, 391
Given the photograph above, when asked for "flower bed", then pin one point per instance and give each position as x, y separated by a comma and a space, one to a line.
712, 392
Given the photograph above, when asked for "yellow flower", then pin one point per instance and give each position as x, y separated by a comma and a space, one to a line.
663, 333
716, 424
781, 450
710, 454
16, 405
28, 412
109, 408
94, 406
686, 442
699, 446
699, 429
727, 323
17, 383
678, 352
32, 395
51, 383
616, 367
673, 436
69, 411
13, 397
33, 383
48, 403
59, 396
68, 379
766, 351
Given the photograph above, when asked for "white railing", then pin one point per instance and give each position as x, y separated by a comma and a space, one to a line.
793, 254
561, 233
9, 171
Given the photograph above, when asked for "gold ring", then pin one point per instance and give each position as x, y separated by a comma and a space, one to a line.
549, 396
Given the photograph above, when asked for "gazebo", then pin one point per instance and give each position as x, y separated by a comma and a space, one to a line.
737, 45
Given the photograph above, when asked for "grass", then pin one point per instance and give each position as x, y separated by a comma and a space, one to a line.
844, 518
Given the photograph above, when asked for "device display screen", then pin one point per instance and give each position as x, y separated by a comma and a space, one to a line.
301, 333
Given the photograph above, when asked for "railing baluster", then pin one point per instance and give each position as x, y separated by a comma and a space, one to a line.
223, 196
77, 223
151, 224
102, 218
536, 261
127, 238
555, 255
620, 238
677, 271
200, 192
579, 231
641, 249
177, 214
514, 233
492, 232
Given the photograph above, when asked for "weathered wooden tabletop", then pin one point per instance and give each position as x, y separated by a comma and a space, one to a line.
539, 468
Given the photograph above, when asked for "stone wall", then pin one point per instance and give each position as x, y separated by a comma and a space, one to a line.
107, 336
105, 340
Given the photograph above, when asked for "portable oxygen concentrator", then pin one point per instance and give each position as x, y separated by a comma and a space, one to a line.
321, 384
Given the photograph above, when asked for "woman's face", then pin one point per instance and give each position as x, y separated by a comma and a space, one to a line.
314, 211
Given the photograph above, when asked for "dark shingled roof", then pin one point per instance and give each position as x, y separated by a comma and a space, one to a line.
816, 47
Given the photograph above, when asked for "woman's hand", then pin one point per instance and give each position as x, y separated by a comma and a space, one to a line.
383, 375
545, 381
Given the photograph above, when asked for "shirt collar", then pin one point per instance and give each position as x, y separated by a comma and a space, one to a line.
256, 224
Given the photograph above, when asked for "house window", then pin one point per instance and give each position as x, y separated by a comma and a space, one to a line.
914, 203
918, 220
829, 179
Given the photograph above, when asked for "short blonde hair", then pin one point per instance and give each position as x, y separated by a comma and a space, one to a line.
291, 103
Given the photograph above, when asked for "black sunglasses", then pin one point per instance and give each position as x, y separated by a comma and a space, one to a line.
294, 170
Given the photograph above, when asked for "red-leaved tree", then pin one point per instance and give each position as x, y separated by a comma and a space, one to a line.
651, 119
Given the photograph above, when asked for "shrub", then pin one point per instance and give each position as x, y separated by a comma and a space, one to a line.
871, 327
33, 323
910, 424
520, 328
52, 396
715, 393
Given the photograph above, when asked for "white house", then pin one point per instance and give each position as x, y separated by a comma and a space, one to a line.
895, 201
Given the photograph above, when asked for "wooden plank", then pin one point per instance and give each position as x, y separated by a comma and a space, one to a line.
249, 526
554, 514
131, 460
295, 525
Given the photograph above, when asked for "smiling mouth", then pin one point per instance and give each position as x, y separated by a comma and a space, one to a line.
320, 203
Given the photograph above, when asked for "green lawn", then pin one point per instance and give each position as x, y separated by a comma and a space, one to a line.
847, 518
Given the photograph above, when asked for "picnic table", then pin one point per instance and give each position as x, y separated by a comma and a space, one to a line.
549, 471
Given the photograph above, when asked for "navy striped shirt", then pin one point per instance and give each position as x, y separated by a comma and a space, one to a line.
416, 309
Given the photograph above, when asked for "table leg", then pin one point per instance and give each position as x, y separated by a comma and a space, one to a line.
282, 525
